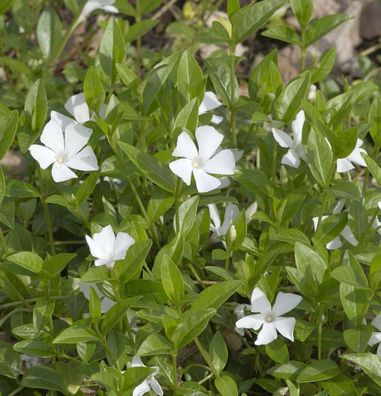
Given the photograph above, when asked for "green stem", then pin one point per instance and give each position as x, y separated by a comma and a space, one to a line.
3, 243
28, 300
152, 226
320, 329
49, 225
179, 187
174, 371
16, 391
233, 116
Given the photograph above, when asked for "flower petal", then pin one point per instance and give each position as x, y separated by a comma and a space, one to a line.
339, 207
95, 249
259, 301
205, 182
122, 243
183, 169
62, 120
347, 234
356, 157
266, 335
214, 217
208, 140
374, 339
209, 102
291, 158
344, 165
334, 244
285, 302
106, 304
43, 155
376, 322
185, 147
60, 173
250, 322
297, 127
155, 386
285, 326
222, 163
231, 213
85, 160
76, 105
217, 119
137, 362
282, 138
76, 137
52, 136
141, 389
105, 240
109, 263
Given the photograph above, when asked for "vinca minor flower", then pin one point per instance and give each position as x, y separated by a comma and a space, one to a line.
92, 5
355, 157
270, 318
209, 103
64, 147
108, 248
203, 161
296, 150
76, 105
375, 338
150, 383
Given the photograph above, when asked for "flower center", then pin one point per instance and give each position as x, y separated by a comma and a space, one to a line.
196, 162
269, 318
61, 158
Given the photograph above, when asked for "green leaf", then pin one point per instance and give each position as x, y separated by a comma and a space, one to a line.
303, 10
216, 295
93, 88
232, 7
139, 29
34, 348
218, 353
188, 116
277, 351
374, 119
152, 168
112, 49
226, 386
42, 314
319, 158
42, 377
19, 189
172, 281
289, 370
28, 260
187, 215
351, 273
340, 386
375, 272
190, 80
2, 185
75, 334
86, 188
374, 168
283, 33
357, 339
191, 324
319, 370
155, 344
251, 18
36, 106
288, 103
49, 32
95, 306
115, 314
55, 264
368, 362
325, 65
318, 28
8, 128
127, 76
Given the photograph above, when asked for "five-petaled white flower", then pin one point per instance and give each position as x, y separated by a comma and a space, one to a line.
270, 318
92, 5
150, 383
375, 338
202, 161
108, 248
106, 303
210, 102
355, 157
65, 143
346, 232
76, 106
295, 147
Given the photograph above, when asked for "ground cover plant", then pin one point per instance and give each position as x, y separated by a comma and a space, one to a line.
170, 233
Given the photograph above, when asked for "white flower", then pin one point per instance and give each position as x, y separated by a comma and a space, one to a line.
106, 303
76, 106
107, 248
312, 92
269, 318
150, 383
209, 103
218, 229
346, 164
346, 232
202, 161
375, 338
64, 148
93, 5
296, 150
